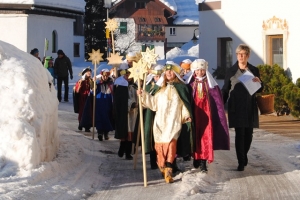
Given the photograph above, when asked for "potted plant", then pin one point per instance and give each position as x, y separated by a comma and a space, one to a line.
272, 98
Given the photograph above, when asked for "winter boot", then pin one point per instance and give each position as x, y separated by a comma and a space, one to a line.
196, 163
168, 173
203, 167
122, 149
100, 136
128, 150
80, 128
106, 136
153, 160
162, 171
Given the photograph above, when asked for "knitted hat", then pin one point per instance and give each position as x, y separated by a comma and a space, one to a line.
60, 52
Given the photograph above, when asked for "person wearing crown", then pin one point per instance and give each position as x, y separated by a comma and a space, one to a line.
172, 129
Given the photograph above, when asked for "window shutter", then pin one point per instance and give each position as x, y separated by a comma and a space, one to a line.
123, 27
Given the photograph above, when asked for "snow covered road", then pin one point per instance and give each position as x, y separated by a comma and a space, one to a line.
89, 169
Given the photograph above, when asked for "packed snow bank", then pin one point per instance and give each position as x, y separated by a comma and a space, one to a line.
28, 116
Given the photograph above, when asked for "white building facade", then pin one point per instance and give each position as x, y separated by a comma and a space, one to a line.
270, 28
27, 24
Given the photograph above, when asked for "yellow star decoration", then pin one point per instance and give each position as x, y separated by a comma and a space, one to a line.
149, 57
114, 59
138, 70
111, 24
96, 56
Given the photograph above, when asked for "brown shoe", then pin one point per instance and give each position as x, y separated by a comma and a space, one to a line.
168, 175
162, 171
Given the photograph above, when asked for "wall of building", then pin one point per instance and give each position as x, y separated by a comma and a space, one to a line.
244, 25
14, 30
41, 27
183, 33
79, 39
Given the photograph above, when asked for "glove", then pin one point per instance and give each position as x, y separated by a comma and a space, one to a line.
71, 77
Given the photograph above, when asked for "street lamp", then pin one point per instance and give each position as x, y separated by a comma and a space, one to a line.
195, 39
107, 5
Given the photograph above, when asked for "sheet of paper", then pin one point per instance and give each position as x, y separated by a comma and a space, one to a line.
251, 86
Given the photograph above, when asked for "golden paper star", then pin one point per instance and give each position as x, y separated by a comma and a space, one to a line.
149, 57
111, 24
96, 56
114, 59
138, 70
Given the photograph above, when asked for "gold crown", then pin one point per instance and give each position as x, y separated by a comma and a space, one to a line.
175, 68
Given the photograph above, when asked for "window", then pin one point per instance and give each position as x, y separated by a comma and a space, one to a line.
157, 19
76, 49
275, 50
145, 46
123, 27
172, 31
54, 41
140, 5
142, 19
224, 57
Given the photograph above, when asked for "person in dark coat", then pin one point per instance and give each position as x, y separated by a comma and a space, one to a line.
242, 107
122, 107
104, 104
62, 69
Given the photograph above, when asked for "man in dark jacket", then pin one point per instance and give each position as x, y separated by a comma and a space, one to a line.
62, 68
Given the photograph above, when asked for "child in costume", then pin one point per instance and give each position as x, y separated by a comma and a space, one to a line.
81, 91
103, 104
211, 129
125, 110
173, 112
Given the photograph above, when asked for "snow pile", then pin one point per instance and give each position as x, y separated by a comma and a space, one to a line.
188, 49
28, 117
78, 5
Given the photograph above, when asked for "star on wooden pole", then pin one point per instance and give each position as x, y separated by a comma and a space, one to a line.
138, 70
112, 25
149, 57
137, 73
95, 56
114, 59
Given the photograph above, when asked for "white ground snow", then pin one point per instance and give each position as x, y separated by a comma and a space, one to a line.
88, 169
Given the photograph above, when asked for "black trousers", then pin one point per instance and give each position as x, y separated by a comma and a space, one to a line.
243, 139
60, 80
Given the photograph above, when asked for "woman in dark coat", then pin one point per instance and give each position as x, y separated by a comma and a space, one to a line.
242, 107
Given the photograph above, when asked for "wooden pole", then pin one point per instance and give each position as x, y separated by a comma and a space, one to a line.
139, 132
142, 136
94, 100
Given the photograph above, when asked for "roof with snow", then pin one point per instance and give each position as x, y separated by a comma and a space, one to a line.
187, 10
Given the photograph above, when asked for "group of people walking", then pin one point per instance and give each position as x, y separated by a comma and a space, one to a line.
183, 111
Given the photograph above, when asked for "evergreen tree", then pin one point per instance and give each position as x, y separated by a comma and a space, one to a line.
94, 30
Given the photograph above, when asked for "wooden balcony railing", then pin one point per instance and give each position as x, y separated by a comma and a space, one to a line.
150, 37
